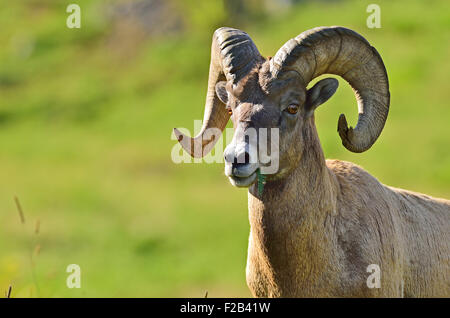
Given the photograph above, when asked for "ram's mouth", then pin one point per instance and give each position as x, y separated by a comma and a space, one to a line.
243, 182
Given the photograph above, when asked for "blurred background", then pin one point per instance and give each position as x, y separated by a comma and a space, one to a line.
86, 118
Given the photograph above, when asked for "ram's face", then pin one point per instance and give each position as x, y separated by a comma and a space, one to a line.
270, 106
267, 117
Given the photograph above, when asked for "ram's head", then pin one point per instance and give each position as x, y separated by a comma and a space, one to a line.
272, 93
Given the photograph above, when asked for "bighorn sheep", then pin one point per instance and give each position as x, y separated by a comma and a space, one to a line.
318, 224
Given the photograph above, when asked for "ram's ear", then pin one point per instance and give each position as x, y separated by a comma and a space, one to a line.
221, 92
320, 93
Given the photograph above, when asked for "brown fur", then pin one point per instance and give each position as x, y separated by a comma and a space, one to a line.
320, 223
314, 232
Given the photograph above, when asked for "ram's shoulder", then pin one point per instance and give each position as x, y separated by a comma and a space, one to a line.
352, 177
359, 194
346, 169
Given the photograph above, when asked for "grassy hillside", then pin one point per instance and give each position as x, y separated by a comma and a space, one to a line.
85, 140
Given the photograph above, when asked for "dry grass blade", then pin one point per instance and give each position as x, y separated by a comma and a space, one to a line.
19, 208
34, 248
206, 294
37, 228
37, 250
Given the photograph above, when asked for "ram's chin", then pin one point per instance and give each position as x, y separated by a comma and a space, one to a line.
243, 182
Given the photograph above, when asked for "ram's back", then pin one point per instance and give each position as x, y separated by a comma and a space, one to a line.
406, 233
425, 227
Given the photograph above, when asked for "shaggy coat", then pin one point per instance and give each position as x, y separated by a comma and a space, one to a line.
319, 226
334, 220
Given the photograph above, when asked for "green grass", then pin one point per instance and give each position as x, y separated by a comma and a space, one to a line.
85, 127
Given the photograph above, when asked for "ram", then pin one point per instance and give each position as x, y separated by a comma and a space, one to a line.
317, 225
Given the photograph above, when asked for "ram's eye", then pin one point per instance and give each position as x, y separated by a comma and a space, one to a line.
230, 111
292, 109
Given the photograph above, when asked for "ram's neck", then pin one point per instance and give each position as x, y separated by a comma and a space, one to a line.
308, 191
289, 228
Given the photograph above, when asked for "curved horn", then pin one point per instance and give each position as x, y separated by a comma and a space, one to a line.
340, 51
233, 55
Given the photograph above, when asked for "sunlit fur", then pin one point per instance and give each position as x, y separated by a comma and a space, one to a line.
319, 225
